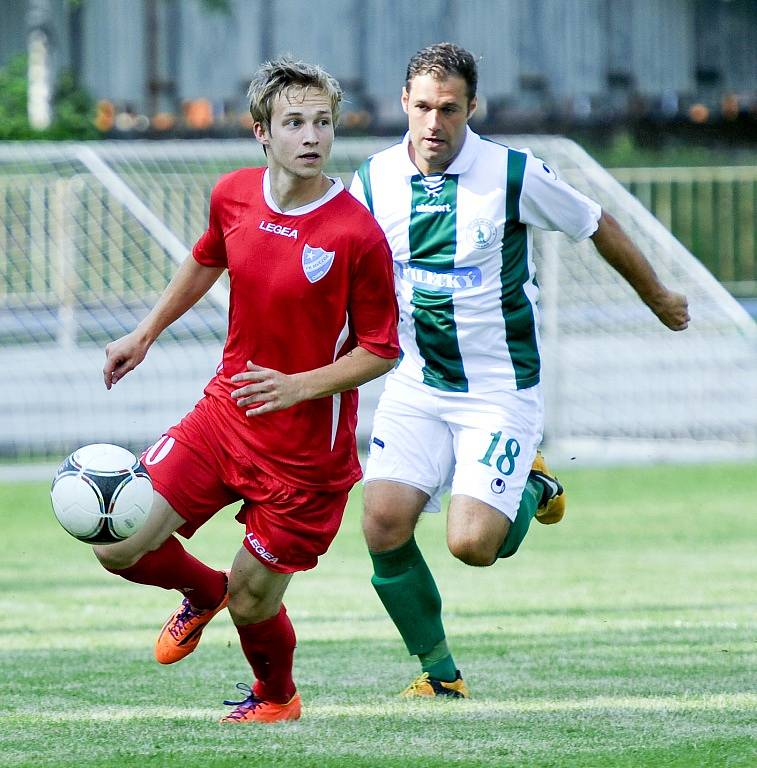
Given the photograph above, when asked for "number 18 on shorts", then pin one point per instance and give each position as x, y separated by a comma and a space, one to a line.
478, 446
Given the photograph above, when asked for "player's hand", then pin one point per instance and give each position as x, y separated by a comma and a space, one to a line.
266, 390
123, 355
672, 309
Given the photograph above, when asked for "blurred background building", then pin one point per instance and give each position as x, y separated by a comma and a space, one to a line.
170, 66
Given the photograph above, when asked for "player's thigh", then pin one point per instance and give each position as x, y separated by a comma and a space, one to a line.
410, 459
162, 521
286, 528
255, 591
189, 470
494, 446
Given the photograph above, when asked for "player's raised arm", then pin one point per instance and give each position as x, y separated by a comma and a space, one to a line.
190, 283
617, 249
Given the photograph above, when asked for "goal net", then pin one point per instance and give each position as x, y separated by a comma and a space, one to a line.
91, 233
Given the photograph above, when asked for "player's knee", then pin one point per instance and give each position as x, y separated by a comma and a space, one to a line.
472, 550
247, 605
390, 513
115, 557
375, 527
384, 529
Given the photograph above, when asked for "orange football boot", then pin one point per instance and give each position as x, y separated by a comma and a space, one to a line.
255, 710
183, 630
552, 504
426, 686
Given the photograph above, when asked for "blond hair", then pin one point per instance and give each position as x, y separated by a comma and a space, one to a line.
276, 76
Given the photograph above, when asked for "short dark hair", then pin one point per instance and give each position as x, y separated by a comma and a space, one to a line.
442, 60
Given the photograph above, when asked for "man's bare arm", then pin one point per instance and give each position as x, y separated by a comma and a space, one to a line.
190, 283
617, 249
268, 390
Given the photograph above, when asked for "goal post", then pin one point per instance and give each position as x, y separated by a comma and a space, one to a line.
91, 233
619, 385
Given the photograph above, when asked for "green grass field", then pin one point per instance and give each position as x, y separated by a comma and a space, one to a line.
625, 636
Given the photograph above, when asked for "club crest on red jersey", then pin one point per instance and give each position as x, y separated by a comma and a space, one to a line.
316, 262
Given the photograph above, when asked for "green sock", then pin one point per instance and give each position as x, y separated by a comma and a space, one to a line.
529, 503
408, 591
438, 662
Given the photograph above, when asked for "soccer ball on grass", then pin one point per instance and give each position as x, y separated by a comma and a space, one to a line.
101, 494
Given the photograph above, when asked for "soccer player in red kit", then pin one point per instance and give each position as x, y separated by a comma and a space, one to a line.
312, 316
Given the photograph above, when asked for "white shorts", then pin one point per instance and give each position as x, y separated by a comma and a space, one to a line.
479, 446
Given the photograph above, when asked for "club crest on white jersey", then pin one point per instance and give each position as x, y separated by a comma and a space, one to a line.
482, 233
316, 262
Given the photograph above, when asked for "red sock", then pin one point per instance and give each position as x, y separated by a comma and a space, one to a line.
172, 567
269, 647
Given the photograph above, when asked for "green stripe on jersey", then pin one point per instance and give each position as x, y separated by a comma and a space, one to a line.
364, 174
520, 326
433, 242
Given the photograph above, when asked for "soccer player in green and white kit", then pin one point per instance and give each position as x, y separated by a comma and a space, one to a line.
464, 408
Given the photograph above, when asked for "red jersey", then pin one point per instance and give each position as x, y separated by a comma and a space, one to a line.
307, 286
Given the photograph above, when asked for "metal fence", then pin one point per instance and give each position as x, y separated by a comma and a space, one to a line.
712, 211
90, 233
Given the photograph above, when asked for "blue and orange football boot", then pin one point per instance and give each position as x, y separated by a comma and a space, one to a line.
182, 632
254, 710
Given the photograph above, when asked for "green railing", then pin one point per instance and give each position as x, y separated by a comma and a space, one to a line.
44, 221
712, 211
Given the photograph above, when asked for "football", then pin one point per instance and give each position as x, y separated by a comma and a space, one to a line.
101, 494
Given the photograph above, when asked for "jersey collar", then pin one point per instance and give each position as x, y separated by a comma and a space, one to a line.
460, 164
331, 193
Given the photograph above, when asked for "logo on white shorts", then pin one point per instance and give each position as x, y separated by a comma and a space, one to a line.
159, 451
549, 171
261, 551
498, 485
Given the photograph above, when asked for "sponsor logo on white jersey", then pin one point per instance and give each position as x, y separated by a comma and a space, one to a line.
277, 229
433, 208
262, 552
316, 262
447, 281
482, 233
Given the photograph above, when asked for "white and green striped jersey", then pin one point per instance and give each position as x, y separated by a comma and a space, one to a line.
463, 261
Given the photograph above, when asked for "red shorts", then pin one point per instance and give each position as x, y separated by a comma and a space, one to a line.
287, 528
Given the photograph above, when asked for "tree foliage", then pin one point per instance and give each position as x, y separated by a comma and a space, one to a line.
73, 108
